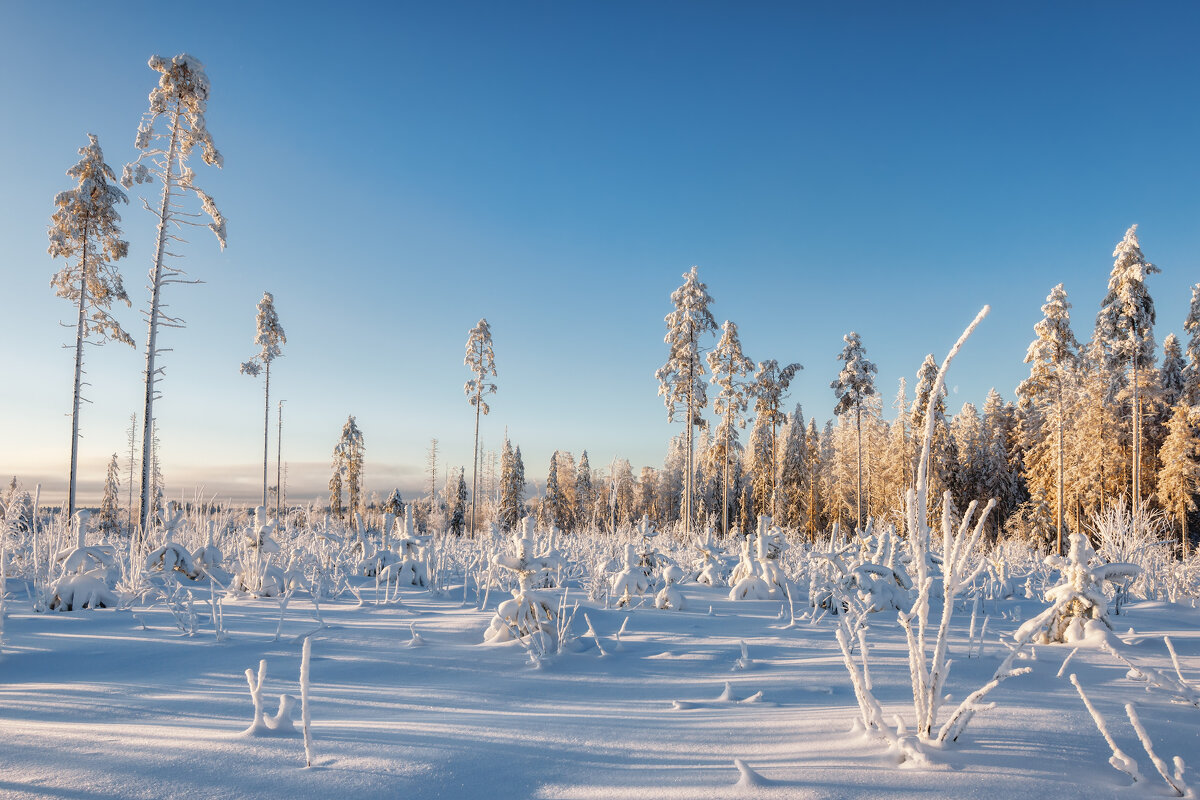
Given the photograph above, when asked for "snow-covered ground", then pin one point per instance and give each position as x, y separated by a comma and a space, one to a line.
120, 704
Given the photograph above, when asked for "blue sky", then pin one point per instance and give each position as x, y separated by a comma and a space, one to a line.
395, 172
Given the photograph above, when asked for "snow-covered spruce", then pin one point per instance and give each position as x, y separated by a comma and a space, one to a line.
669, 597
631, 581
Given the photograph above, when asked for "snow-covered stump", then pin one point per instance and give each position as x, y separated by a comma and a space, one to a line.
278, 725
669, 597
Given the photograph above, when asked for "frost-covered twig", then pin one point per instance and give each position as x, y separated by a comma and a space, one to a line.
1181, 691
592, 633
1066, 661
1119, 759
1177, 784
305, 674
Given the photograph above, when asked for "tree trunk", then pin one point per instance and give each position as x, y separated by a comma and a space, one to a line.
156, 280
266, 428
279, 463
858, 429
79, 329
475, 458
1060, 468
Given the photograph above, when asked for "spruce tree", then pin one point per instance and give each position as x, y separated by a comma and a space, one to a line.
84, 231
681, 379
855, 383
1191, 326
512, 487
1173, 374
585, 493
110, 504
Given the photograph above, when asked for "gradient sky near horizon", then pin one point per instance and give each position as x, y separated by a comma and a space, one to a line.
394, 172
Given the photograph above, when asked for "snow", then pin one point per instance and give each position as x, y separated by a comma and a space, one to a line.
96, 705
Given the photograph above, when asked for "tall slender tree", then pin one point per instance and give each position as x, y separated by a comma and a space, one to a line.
854, 383
730, 368
1125, 326
84, 231
681, 379
348, 456
482, 362
512, 487
270, 338
771, 383
1052, 357
181, 97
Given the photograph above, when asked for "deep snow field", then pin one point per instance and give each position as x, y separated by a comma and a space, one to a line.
121, 704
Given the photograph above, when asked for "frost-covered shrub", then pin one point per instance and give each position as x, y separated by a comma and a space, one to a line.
86, 576
529, 612
632, 580
762, 578
412, 566
710, 560
1079, 598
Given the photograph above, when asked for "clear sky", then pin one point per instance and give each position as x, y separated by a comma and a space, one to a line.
394, 172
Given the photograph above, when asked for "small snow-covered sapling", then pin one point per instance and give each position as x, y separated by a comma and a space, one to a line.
669, 597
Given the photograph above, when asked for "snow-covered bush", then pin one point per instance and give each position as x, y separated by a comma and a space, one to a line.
1079, 599
86, 576
710, 560
529, 612
632, 580
412, 567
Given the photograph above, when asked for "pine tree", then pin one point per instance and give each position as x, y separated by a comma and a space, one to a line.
84, 227
681, 379
1125, 328
1179, 475
730, 367
1052, 356
269, 338
348, 456
770, 387
182, 97
855, 383
482, 362
1191, 326
110, 504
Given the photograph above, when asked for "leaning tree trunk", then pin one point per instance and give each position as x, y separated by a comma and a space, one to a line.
156, 283
475, 458
79, 330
